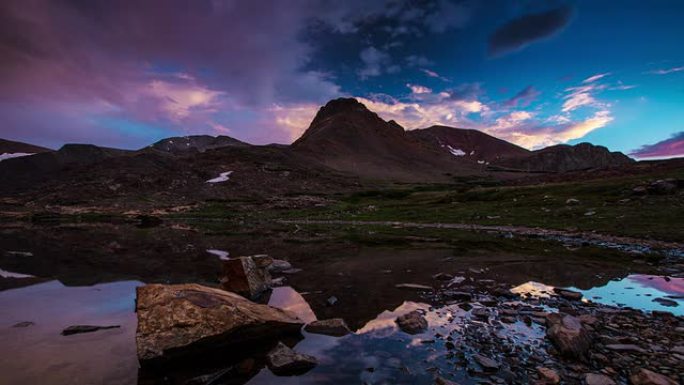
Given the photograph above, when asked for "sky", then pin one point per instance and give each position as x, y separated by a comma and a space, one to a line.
537, 73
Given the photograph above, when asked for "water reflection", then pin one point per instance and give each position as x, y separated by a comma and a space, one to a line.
639, 291
38, 354
287, 298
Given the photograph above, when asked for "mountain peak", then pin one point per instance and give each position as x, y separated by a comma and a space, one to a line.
341, 106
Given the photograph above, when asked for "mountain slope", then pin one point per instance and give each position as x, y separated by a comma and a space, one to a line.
472, 145
563, 157
10, 149
199, 143
346, 136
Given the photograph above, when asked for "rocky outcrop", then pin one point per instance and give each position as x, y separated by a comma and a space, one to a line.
567, 334
284, 361
412, 322
188, 319
247, 276
197, 143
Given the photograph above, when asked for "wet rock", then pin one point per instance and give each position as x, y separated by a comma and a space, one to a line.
412, 322
442, 277
177, 320
598, 379
486, 300
486, 363
280, 281
480, 313
666, 302
331, 327
243, 276
548, 376
640, 190
279, 265
291, 271
413, 286
284, 361
567, 334
631, 348
262, 261
78, 329
568, 294
647, 377
443, 381
455, 281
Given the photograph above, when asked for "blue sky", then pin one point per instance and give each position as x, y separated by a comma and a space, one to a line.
536, 73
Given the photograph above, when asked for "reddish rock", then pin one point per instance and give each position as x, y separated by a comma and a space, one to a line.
647, 377
567, 334
412, 323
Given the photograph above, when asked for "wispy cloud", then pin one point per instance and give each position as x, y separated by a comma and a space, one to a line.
665, 71
523, 98
596, 77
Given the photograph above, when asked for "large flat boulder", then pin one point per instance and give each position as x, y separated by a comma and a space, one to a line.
178, 320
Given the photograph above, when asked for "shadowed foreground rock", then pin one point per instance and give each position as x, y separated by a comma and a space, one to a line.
284, 361
247, 276
190, 319
567, 334
335, 327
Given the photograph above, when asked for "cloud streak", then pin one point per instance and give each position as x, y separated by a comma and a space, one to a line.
522, 31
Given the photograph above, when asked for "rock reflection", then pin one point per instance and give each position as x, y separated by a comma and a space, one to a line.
289, 299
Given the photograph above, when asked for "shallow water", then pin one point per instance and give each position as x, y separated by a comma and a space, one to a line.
362, 277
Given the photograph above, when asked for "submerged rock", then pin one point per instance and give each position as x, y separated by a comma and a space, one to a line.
284, 361
567, 334
244, 276
647, 377
176, 320
78, 329
335, 327
412, 322
279, 265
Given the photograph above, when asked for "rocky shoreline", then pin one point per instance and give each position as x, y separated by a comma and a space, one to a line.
487, 331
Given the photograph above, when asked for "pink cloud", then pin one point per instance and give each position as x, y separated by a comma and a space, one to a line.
668, 148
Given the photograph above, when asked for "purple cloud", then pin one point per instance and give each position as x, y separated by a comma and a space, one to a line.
668, 148
520, 32
523, 98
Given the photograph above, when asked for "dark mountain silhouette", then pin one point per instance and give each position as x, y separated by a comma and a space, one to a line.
12, 147
472, 145
348, 137
198, 143
563, 157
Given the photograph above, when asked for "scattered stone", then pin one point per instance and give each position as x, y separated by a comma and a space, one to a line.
459, 295
280, 281
284, 361
331, 327
567, 334
647, 377
598, 379
175, 320
590, 213
666, 302
548, 376
455, 281
412, 322
291, 271
413, 286
640, 190
476, 271
243, 276
331, 301
443, 381
625, 348
78, 329
442, 277
568, 294
487, 363
572, 202
480, 313
25, 254
279, 265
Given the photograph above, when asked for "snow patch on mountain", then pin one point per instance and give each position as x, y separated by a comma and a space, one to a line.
10, 155
223, 177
